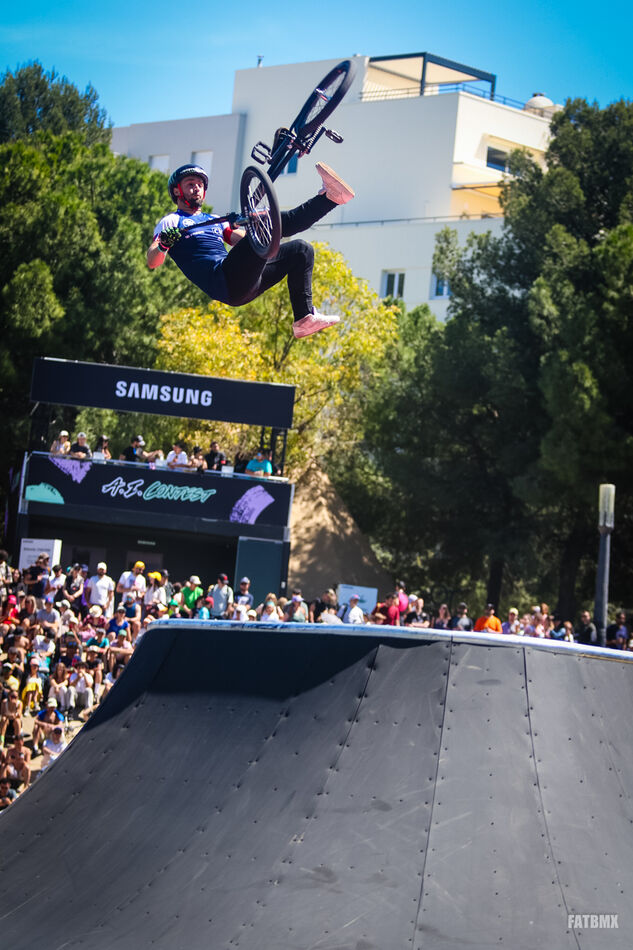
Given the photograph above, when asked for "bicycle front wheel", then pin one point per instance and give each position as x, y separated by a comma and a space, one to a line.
324, 99
260, 209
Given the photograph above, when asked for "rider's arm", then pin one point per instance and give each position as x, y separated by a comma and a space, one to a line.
231, 236
155, 257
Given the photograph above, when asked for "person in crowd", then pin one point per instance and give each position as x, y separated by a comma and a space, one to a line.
387, 612
269, 609
10, 678
33, 689
135, 450
110, 679
74, 587
7, 794
197, 462
244, 595
61, 445
488, 622
215, 458
36, 578
58, 687
28, 613
190, 594
80, 448
155, 594
55, 583
10, 613
403, 600
259, 467
11, 712
53, 746
236, 611
324, 602
586, 632
240, 462
222, 595
45, 722
118, 623
133, 581
15, 584
442, 618
512, 625
17, 763
81, 687
95, 665
167, 584
49, 618
296, 611
329, 615
352, 612
417, 615
177, 459
119, 651
133, 613
618, 633
5, 574
204, 605
99, 589
102, 451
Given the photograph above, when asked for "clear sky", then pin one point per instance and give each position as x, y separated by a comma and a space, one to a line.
159, 60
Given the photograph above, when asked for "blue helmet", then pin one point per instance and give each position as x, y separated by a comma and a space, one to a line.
182, 172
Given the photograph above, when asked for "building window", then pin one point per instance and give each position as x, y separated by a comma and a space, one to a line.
159, 163
498, 159
291, 167
204, 160
393, 284
440, 287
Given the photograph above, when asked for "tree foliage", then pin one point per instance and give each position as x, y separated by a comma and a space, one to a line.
32, 101
489, 438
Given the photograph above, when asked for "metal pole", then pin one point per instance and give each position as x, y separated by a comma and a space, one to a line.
602, 584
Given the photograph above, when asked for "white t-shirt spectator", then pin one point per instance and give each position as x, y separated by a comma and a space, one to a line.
350, 614
133, 583
100, 588
177, 459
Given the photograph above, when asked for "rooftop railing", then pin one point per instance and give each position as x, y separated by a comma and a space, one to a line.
434, 89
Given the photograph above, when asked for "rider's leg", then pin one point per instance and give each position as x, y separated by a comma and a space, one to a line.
247, 275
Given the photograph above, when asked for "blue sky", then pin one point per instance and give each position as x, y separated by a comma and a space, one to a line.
159, 60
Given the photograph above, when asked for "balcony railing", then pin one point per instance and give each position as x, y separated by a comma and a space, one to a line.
434, 89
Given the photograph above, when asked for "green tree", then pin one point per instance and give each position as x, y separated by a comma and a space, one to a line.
32, 100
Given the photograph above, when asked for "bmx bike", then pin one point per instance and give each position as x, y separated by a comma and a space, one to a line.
259, 211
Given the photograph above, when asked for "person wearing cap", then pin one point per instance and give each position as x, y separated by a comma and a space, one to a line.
45, 722
133, 581
80, 449
61, 445
55, 582
222, 595
488, 623
461, 620
512, 626
204, 606
244, 595
191, 592
53, 746
155, 595
32, 691
259, 466
10, 611
296, 610
134, 451
352, 612
99, 589
80, 687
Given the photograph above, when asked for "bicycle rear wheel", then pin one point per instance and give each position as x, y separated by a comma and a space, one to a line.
324, 98
260, 210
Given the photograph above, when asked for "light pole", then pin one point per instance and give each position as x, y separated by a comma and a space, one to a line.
606, 512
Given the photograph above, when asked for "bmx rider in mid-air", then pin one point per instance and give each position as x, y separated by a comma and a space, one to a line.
238, 276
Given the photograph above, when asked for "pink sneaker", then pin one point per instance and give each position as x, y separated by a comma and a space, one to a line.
334, 187
312, 323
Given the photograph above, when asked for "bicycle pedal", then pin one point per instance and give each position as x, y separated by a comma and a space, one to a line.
261, 153
334, 136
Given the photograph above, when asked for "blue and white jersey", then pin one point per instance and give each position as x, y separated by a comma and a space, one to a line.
200, 253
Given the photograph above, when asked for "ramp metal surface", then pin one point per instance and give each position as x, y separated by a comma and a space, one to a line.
298, 788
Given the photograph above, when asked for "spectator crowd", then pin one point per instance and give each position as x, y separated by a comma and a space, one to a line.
66, 635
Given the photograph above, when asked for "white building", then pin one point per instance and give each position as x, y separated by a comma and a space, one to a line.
426, 143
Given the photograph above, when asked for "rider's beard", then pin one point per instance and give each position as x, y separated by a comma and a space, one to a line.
195, 201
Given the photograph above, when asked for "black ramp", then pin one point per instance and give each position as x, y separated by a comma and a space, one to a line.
293, 789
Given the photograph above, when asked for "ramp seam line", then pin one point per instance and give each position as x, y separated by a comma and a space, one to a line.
540, 797
437, 769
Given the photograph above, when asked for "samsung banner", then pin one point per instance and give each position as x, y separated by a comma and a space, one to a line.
131, 389
56, 480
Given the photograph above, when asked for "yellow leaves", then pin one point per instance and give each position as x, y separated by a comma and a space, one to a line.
329, 369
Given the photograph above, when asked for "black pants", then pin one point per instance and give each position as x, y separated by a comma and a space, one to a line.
247, 275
